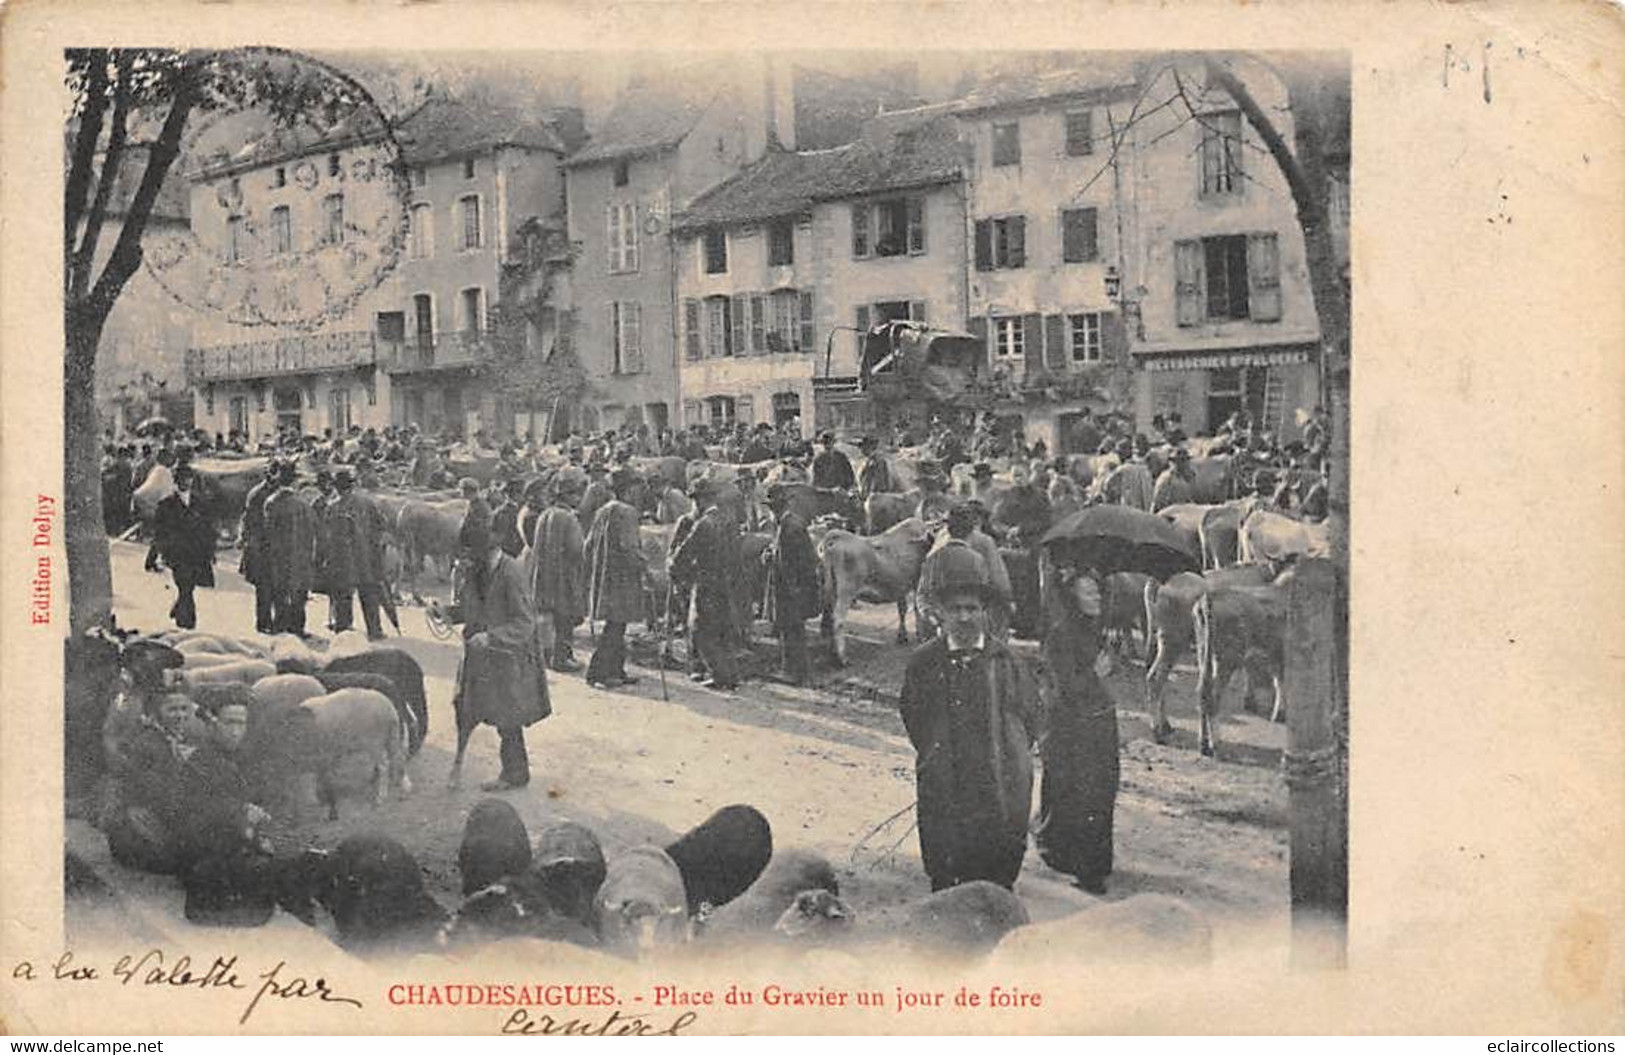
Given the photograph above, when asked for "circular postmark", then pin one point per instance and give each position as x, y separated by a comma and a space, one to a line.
296, 195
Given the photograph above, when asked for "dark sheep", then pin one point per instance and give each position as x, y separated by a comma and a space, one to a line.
400, 668
722, 856
377, 898
495, 845
569, 862
517, 907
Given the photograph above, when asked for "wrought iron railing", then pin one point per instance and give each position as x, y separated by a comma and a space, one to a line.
302, 354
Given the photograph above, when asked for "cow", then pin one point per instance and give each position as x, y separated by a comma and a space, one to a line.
1186, 517
1220, 532
1169, 624
1124, 610
884, 508
428, 530
223, 485
1237, 628
811, 502
885, 567
1274, 537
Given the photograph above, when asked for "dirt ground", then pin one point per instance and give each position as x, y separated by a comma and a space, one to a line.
828, 765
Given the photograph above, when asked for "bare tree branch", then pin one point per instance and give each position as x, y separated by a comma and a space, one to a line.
84, 152
126, 256
84, 261
1308, 203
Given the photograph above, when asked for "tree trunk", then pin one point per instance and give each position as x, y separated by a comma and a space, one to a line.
90, 573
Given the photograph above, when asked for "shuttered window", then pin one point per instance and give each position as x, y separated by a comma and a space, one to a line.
716, 252
1079, 235
782, 337
626, 329
916, 225
860, 231
740, 312
1087, 346
1009, 337
1188, 282
1055, 357
807, 335
692, 339
1080, 133
716, 330
758, 323
984, 245
1263, 278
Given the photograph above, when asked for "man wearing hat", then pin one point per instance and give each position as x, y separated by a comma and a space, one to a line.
963, 530
354, 559
969, 710
184, 537
255, 559
476, 523
1130, 484
875, 477
598, 492
616, 591
793, 584
1174, 485
505, 519
290, 531
557, 570
1023, 511
831, 470
708, 557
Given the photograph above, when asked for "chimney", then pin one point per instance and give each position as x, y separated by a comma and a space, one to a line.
782, 100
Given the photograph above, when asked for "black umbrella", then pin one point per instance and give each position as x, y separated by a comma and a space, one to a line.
1115, 538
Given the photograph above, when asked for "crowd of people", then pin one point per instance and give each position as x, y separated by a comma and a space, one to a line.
554, 541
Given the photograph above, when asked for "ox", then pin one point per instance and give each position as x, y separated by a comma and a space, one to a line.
1169, 624
428, 530
1237, 628
885, 567
1274, 537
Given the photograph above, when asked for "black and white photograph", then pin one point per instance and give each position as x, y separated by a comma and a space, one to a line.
771, 539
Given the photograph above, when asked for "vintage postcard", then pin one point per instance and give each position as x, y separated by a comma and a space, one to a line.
633, 519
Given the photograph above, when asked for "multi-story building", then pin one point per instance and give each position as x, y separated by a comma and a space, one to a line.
1048, 243
1226, 315
667, 140
780, 269
361, 294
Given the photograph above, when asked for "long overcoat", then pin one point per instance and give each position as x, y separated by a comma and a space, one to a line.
252, 565
793, 574
502, 682
290, 535
354, 530
971, 722
556, 566
615, 568
185, 537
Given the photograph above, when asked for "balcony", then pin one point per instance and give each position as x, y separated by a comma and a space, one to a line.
281, 356
443, 351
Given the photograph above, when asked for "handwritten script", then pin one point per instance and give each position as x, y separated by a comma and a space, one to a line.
154, 967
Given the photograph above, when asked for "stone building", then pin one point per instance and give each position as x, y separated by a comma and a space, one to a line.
782, 267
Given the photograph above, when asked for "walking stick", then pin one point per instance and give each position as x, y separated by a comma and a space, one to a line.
665, 636
599, 565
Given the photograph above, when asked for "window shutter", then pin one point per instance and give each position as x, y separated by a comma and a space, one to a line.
691, 328
978, 329
632, 338
860, 230
614, 336
807, 335
1055, 357
629, 239
1263, 278
1032, 338
916, 310
916, 225
741, 324
744, 410
691, 412
1188, 282
1113, 337
1018, 241
758, 323
612, 223
1079, 236
984, 245
863, 318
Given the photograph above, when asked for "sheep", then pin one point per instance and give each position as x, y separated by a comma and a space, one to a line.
722, 856
968, 919
569, 862
247, 671
375, 892
755, 913
495, 845
517, 907
642, 905
331, 728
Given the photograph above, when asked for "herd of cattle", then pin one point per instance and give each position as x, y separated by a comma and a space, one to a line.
872, 549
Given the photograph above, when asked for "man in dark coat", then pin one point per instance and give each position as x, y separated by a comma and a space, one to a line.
184, 537
557, 571
116, 492
354, 558
254, 565
1080, 749
793, 584
290, 531
709, 558
505, 520
597, 494
476, 524
831, 470
616, 579
968, 708
875, 478
325, 497
1023, 511
502, 680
